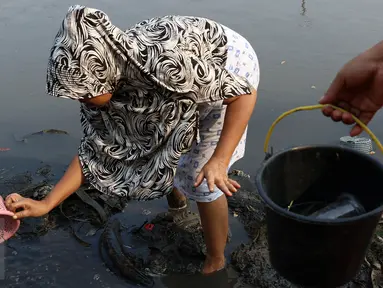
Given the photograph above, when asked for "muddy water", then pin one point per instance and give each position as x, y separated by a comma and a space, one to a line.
314, 38
56, 257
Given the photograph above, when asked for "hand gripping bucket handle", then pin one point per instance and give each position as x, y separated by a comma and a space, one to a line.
314, 107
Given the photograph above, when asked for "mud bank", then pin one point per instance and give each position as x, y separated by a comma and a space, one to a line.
76, 228
249, 264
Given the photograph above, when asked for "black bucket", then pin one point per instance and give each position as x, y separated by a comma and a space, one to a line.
317, 252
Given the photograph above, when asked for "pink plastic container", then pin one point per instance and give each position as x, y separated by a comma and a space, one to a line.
8, 225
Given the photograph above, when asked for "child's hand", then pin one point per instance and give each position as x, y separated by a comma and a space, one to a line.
215, 172
29, 207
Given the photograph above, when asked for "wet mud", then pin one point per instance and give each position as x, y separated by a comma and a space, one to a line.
159, 247
129, 265
123, 239
154, 249
251, 260
144, 252
374, 259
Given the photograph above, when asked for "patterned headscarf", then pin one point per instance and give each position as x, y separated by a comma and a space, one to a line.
83, 61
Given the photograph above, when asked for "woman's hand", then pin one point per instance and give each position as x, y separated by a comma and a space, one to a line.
358, 89
215, 172
29, 207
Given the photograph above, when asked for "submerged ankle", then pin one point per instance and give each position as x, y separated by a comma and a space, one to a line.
215, 259
213, 264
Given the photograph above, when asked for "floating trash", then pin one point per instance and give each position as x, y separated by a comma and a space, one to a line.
313, 87
283, 62
41, 132
361, 144
146, 212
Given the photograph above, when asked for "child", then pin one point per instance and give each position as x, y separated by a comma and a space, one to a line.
164, 110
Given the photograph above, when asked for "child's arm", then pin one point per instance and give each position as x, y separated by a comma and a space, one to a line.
238, 113
68, 184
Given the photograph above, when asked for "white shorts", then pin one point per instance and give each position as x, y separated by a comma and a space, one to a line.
241, 60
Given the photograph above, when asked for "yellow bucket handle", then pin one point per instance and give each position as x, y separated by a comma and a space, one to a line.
319, 106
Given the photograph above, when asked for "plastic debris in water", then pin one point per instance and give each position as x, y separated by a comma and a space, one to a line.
2, 149
313, 87
146, 212
345, 206
283, 62
149, 226
91, 232
239, 173
361, 144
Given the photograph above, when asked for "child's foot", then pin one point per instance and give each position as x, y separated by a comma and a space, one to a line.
213, 264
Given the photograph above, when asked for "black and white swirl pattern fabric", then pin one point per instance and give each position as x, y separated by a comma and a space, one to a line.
158, 72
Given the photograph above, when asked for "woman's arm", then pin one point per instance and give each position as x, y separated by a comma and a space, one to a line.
238, 113
68, 184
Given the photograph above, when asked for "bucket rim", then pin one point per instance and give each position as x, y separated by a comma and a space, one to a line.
283, 211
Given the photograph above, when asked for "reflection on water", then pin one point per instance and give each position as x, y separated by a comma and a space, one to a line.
338, 30
303, 8
219, 279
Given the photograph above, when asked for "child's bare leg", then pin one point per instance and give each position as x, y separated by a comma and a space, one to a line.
215, 224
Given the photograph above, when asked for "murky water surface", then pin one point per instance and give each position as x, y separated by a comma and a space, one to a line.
312, 39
